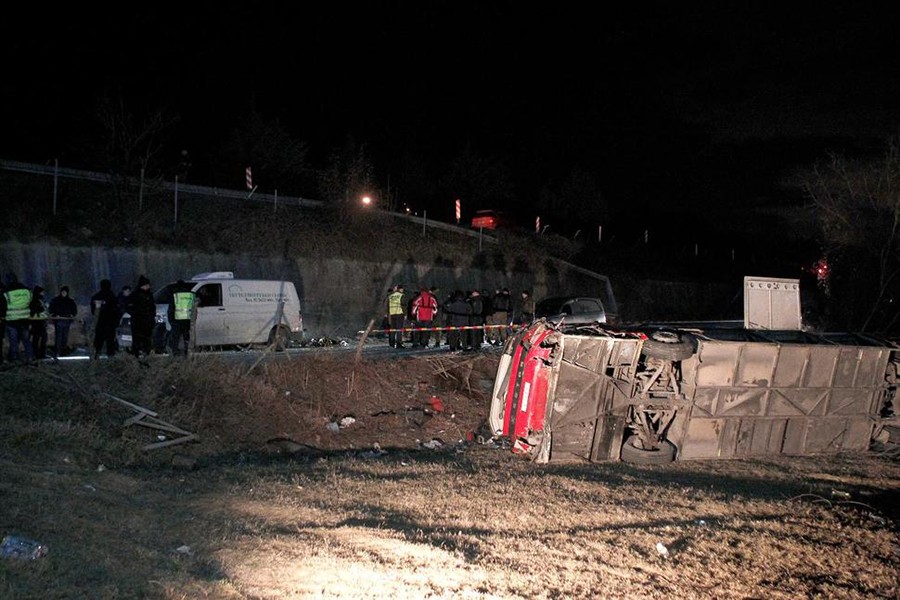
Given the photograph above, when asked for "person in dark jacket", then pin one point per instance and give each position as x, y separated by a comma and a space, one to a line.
487, 313
476, 335
501, 317
523, 310
458, 312
142, 308
106, 314
38, 316
122, 298
62, 312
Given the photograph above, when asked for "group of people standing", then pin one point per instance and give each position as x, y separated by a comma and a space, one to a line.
469, 319
140, 305
26, 314
107, 309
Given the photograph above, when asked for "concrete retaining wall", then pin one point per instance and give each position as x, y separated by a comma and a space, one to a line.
338, 296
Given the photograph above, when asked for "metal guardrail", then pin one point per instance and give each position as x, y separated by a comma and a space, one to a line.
183, 188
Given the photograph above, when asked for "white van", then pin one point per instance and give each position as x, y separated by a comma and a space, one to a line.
236, 312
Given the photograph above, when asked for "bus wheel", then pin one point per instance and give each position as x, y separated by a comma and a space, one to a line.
632, 453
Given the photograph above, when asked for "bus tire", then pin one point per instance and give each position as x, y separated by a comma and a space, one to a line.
668, 345
631, 453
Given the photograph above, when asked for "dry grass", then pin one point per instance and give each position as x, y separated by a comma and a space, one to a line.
463, 522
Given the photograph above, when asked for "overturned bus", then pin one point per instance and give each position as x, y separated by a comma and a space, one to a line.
660, 392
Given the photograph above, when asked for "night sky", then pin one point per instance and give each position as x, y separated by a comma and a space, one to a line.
672, 108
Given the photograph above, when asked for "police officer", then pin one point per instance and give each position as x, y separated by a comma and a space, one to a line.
396, 312
180, 312
16, 301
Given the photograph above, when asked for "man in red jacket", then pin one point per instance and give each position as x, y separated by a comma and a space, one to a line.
424, 310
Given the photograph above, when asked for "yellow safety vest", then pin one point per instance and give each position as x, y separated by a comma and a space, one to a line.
395, 304
17, 302
184, 304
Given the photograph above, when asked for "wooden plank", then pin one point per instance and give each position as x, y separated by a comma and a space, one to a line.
134, 419
181, 440
162, 425
131, 405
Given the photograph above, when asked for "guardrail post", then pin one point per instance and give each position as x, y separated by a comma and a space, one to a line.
176, 203
55, 182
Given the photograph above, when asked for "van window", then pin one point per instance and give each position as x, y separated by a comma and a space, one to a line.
209, 294
586, 305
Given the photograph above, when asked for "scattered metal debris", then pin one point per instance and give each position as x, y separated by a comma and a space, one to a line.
662, 550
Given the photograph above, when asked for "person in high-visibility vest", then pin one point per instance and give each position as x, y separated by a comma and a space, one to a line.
396, 311
14, 307
180, 311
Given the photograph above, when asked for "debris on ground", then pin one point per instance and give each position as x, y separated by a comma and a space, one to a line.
15, 546
662, 550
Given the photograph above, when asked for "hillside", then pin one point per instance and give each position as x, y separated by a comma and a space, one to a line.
99, 213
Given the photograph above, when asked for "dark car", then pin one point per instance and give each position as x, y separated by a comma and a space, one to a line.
572, 310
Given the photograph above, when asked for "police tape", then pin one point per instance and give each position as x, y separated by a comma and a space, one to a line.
460, 328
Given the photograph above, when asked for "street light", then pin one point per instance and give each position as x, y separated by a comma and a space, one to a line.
366, 201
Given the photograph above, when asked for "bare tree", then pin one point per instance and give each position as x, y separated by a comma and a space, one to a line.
278, 160
576, 201
484, 182
128, 146
348, 176
857, 204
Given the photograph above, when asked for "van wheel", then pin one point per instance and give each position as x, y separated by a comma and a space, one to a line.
278, 338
